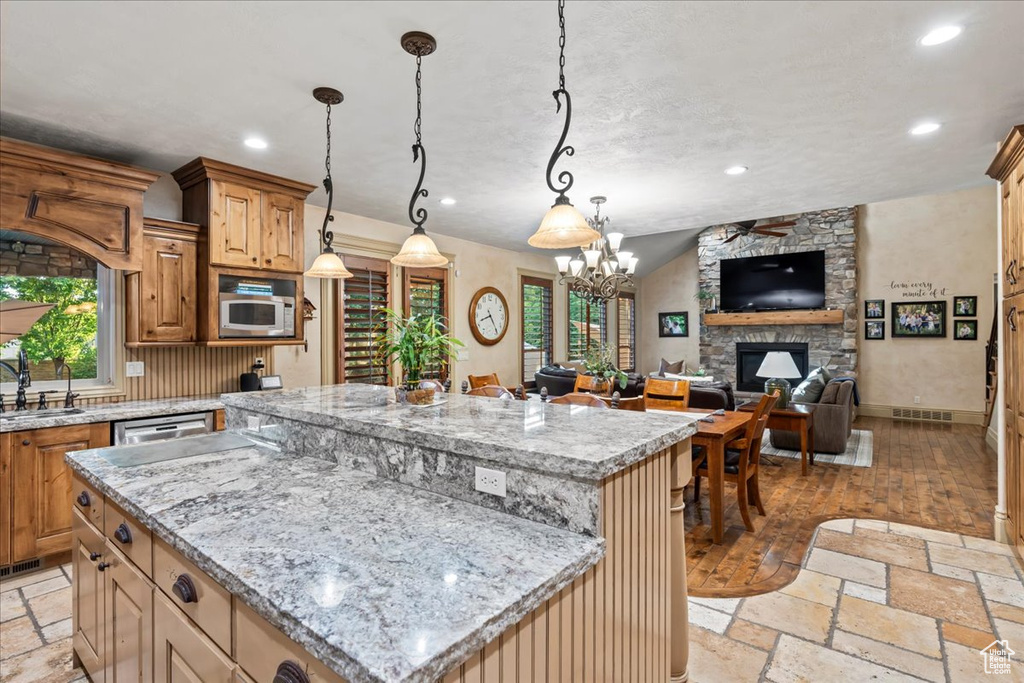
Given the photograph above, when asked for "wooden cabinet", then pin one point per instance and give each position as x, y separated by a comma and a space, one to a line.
182, 654
163, 297
234, 225
281, 246
1008, 169
41, 487
129, 621
87, 593
5, 498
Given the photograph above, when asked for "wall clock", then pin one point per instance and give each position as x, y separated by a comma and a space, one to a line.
488, 316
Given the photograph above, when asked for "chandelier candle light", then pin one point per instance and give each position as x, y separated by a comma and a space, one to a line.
563, 225
419, 251
328, 265
602, 269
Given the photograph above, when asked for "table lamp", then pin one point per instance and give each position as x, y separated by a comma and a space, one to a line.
779, 365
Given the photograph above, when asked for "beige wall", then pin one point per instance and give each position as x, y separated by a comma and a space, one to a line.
670, 288
474, 266
949, 241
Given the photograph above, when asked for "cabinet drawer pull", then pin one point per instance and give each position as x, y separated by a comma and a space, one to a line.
185, 589
123, 534
83, 499
102, 566
26, 442
1011, 319
290, 672
95, 556
254, 259
268, 261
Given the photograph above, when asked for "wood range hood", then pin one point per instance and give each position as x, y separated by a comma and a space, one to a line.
89, 204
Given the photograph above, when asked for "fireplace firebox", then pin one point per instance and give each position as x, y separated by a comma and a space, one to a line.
750, 355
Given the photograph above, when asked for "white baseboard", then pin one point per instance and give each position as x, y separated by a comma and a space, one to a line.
992, 438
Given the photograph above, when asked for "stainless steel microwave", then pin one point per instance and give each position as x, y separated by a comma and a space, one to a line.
256, 307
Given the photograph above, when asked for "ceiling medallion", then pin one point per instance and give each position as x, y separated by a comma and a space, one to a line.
419, 251
605, 269
328, 265
563, 225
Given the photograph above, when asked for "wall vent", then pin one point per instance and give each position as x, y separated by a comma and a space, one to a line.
922, 415
20, 567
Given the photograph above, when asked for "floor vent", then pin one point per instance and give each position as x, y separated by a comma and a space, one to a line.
18, 568
922, 415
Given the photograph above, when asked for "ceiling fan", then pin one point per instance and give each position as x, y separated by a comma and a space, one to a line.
747, 228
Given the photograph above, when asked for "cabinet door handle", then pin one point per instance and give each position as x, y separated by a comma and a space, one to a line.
1011, 319
290, 672
1010, 276
102, 566
123, 534
185, 589
269, 261
254, 259
95, 556
83, 499
26, 442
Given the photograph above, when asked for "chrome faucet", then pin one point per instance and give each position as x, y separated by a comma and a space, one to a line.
69, 398
24, 379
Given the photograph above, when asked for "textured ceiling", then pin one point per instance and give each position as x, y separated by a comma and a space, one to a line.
816, 98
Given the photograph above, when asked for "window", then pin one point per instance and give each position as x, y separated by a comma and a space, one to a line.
426, 292
536, 304
625, 307
78, 331
588, 325
367, 294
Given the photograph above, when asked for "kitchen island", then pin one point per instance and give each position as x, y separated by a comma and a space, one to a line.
347, 527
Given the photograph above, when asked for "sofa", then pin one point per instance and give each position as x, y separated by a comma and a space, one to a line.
560, 379
712, 396
833, 420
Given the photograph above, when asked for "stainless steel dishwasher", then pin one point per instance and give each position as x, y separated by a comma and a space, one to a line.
148, 429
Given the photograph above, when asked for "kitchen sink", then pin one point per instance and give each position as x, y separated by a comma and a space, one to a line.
49, 412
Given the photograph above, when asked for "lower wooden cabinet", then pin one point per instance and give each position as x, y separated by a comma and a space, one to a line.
129, 621
181, 652
87, 597
41, 487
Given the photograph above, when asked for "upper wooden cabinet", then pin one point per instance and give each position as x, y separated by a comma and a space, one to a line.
253, 219
92, 205
1008, 169
162, 299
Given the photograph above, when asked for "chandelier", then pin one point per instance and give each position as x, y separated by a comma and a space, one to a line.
602, 270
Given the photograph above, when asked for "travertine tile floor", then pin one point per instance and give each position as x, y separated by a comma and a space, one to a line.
874, 601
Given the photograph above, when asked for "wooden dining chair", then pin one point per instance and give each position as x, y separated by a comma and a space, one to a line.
580, 399
742, 459
666, 394
635, 403
477, 381
491, 391
585, 385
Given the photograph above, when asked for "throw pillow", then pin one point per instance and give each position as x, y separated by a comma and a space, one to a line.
677, 368
831, 394
809, 391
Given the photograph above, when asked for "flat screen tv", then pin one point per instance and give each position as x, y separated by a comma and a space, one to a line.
766, 283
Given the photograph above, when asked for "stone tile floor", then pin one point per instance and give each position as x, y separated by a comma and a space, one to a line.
874, 601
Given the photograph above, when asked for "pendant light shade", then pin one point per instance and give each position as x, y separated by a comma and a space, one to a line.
419, 251
563, 226
328, 266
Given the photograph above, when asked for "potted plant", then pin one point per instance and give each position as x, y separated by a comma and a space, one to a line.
599, 363
706, 299
416, 342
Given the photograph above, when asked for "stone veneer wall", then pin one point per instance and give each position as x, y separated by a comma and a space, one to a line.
833, 346
53, 260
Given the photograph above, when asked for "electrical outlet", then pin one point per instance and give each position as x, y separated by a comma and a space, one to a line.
462, 355
258, 360
917, 399
252, 423
490, 481
135, 368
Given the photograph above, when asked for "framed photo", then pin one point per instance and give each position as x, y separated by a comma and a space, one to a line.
919, 319
674, 324
874, 308
965, 306
965, 330
874, 329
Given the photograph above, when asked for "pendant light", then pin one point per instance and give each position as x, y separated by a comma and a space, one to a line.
328, 265
563, 225
419, 251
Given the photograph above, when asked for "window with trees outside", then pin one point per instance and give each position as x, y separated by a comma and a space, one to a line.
535, 297
426, 292
78, 332
366, 294
625, 307
588, 326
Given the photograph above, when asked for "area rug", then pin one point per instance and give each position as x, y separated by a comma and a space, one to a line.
859, 450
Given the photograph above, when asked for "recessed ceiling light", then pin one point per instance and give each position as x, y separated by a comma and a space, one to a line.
940, 35
256, 143
736, 170
925, 128
447, 201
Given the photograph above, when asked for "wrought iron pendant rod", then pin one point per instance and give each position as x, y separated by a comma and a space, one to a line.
565, 178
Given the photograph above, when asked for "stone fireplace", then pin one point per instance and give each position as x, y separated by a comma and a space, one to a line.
750, 355
833, 346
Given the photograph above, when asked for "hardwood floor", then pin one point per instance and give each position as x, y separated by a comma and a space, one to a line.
936, 476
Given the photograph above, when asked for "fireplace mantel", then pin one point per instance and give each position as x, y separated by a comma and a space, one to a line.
827, 317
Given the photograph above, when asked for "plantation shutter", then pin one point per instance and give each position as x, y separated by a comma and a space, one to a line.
366, 295
626, 323
538, 342
426, 293
588, 326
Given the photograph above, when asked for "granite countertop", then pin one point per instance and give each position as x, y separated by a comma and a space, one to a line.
586, 443
380, 581
107, 412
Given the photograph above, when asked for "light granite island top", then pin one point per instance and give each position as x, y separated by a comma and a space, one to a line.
378, 580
